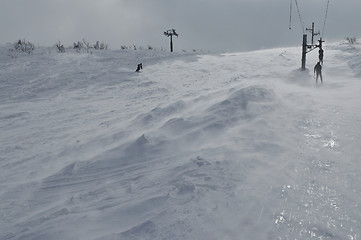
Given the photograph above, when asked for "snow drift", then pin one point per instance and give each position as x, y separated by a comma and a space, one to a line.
231, 146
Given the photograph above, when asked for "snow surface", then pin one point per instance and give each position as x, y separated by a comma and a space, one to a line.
230, 146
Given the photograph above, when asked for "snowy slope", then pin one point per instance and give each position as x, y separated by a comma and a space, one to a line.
231, 146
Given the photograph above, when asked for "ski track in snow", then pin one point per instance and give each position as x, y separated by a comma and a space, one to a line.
229, 146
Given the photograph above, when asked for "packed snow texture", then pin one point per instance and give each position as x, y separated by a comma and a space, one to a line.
229, 146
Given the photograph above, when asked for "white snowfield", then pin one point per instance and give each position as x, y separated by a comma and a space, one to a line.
217, 147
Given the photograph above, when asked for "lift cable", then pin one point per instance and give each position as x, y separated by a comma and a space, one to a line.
290, 26
324, 23
299, 14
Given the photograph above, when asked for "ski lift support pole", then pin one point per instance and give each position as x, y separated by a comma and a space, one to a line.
313, 34
312, 47
170, 33
304, 52
171, 43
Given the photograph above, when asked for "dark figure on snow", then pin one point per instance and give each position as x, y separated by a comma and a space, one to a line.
318, 71
320, 55
140, 66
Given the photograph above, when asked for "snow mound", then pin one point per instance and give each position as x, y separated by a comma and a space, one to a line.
244, 103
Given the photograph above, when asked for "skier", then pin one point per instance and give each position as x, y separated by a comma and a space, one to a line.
140, 66
318, 71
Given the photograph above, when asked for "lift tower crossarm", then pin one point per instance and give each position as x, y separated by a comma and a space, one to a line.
312, 30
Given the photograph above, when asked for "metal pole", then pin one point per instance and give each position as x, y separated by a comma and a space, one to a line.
304, 52
171, 43
313, 32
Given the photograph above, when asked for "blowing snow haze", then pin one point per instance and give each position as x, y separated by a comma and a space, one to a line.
214, 25
195, 146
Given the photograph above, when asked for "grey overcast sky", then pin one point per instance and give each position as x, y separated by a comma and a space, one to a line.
209, 25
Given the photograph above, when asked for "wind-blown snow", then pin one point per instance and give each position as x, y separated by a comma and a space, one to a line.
231, 146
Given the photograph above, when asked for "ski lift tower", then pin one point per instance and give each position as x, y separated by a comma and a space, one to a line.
170, 33
306, 48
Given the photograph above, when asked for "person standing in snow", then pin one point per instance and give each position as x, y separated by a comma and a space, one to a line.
318, 71
140, 66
